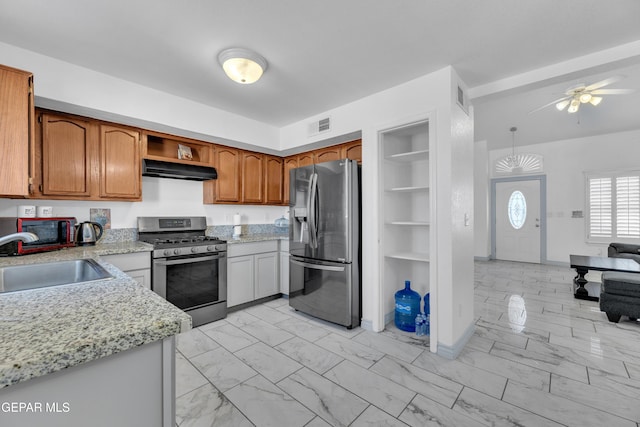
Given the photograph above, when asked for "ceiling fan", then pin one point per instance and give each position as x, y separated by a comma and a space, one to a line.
582, 94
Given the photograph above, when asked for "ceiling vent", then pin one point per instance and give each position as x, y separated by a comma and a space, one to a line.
320, 126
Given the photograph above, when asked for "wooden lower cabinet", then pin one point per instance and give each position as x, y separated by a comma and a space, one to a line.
16, 130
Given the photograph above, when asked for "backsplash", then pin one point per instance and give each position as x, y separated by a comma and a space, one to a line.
119, 235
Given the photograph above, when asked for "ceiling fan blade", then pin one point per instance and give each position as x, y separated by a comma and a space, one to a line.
549, 104
603, 83
612, 91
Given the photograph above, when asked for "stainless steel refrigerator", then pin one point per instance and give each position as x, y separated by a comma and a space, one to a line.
324, 241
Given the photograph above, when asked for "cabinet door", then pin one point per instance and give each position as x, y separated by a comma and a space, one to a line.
289, 163
119, 163
67, 151
352, 150
273, 180
305, 159
266, 275
327, 154
227, 187
240, 279
16, 130
252, 177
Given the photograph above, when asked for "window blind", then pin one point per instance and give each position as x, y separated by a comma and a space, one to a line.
628, 206
613, 206
600, 218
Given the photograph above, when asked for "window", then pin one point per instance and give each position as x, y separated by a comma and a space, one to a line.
613, 206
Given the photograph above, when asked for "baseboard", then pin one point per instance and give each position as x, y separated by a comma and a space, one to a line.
366, 324
557, 263
451, 352
482, 258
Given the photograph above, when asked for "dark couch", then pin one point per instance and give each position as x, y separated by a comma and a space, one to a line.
620, 295
624, 250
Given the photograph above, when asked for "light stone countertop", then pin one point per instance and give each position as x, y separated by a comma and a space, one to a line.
49, 329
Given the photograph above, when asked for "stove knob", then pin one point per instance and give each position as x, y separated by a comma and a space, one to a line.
176, 251
211, 248
194, 250
220, 247
167, 252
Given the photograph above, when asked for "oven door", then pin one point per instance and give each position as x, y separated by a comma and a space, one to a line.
196, 284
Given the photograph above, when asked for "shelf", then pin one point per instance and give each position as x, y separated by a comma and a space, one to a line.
411, 156
409, 256
160, 147
409, 223
407, 189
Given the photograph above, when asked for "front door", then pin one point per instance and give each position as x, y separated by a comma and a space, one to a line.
518, 221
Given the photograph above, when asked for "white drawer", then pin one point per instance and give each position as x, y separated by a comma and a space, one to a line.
132, 261
242, 249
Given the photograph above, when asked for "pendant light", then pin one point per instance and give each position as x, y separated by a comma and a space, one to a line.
517, 163
242, 65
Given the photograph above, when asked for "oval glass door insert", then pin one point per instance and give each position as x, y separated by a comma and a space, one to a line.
517, 209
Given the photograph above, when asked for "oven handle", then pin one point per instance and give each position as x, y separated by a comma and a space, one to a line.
190, 260
316, 266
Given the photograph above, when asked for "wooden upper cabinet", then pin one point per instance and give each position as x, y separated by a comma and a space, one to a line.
327, 154
252, 177
352, 150
16, 130
305, 159
226, 188
289, 163
67, 149
274, 181
120, 163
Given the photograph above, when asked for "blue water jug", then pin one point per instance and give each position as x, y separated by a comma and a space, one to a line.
427, 310
407, 308
427, 313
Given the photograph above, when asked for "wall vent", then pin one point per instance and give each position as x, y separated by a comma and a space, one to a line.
462, 100
320, 126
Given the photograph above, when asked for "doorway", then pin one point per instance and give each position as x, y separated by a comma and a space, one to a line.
518, 218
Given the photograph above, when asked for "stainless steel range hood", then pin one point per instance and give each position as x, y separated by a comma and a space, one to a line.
162, 169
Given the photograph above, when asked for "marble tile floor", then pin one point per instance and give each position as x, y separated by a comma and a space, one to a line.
538, 357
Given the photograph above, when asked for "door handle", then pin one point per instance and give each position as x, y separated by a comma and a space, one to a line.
316, 266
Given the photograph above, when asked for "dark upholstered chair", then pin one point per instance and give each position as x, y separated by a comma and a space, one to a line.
624, 250
620, 295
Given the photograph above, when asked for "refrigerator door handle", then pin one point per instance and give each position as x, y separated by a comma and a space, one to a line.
312, 212
316, 266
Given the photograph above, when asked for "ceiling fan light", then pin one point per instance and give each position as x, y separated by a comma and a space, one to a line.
575, 104
585, 97
595, 100
562, 104
241, 65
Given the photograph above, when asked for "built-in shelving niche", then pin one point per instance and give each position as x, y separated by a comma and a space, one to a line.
405, 194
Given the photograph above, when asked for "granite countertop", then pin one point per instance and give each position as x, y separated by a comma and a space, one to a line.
249, 238
49, 329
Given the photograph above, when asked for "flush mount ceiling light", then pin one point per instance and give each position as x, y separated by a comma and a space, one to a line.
242, 65
583, 94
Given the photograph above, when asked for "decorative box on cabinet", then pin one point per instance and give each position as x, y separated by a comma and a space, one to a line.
16, 130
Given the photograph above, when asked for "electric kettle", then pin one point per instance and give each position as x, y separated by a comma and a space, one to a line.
88, 233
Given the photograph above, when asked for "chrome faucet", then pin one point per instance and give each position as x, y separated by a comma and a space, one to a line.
25, 237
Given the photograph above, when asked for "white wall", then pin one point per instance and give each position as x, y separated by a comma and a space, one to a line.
409, 102
565, 163
482, 242
68, 83
161, 197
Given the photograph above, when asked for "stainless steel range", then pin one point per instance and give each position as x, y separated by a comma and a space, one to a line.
189, 267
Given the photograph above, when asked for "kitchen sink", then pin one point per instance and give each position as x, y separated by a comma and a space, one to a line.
32, 276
